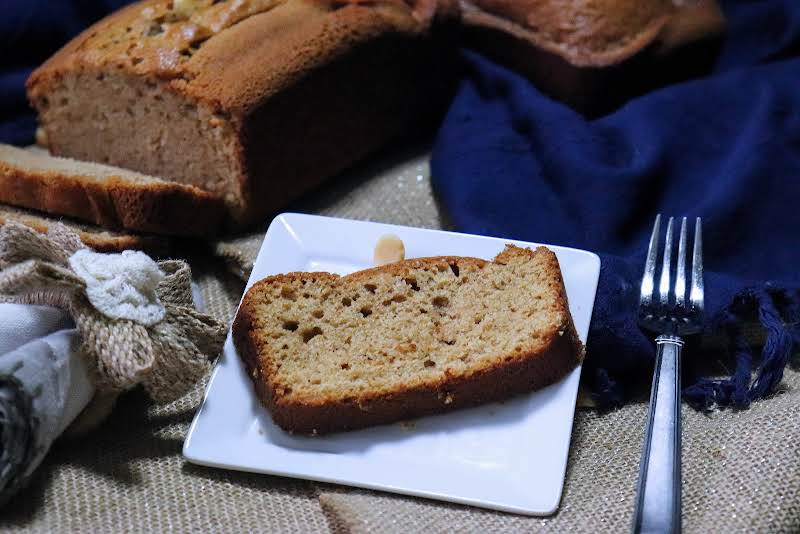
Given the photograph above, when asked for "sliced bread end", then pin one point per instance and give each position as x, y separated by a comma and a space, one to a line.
93, 237
111, 197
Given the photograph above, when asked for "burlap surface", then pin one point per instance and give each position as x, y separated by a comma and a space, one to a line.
741, 469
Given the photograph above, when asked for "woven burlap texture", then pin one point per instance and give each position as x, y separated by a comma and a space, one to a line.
741, 469
167, 356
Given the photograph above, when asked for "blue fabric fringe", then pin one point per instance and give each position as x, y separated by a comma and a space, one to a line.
781, 341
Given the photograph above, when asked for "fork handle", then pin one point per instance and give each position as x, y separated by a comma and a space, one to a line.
658, 501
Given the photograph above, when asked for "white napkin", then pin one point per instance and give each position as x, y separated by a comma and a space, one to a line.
44, 385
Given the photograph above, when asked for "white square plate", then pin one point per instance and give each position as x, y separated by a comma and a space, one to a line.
508, 456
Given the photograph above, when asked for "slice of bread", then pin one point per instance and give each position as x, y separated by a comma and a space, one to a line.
108, 196
329, 353
93, 237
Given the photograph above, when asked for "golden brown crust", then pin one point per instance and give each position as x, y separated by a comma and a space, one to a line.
595, 33
116, 203
412, 263
226, 68
619, 51
507, 376
304, 35
607, 33
694, 21
149, 39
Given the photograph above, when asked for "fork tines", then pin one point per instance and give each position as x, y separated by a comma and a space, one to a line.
668, 293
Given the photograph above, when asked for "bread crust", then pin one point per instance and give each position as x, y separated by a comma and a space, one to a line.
524, 372
228, 70
95, 238
622, 49
116, 203
600, 41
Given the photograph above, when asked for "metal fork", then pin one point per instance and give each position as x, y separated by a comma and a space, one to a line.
658, 501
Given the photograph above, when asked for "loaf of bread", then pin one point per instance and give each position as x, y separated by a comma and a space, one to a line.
416, 337
254, 101
108, 196
595, 54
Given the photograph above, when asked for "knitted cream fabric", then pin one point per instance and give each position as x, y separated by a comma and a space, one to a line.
121, 286
740, 474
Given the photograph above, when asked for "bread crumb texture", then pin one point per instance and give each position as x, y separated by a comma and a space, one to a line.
405, 339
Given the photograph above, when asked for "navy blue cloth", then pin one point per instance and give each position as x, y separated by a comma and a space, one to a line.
31, 31
511, 162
